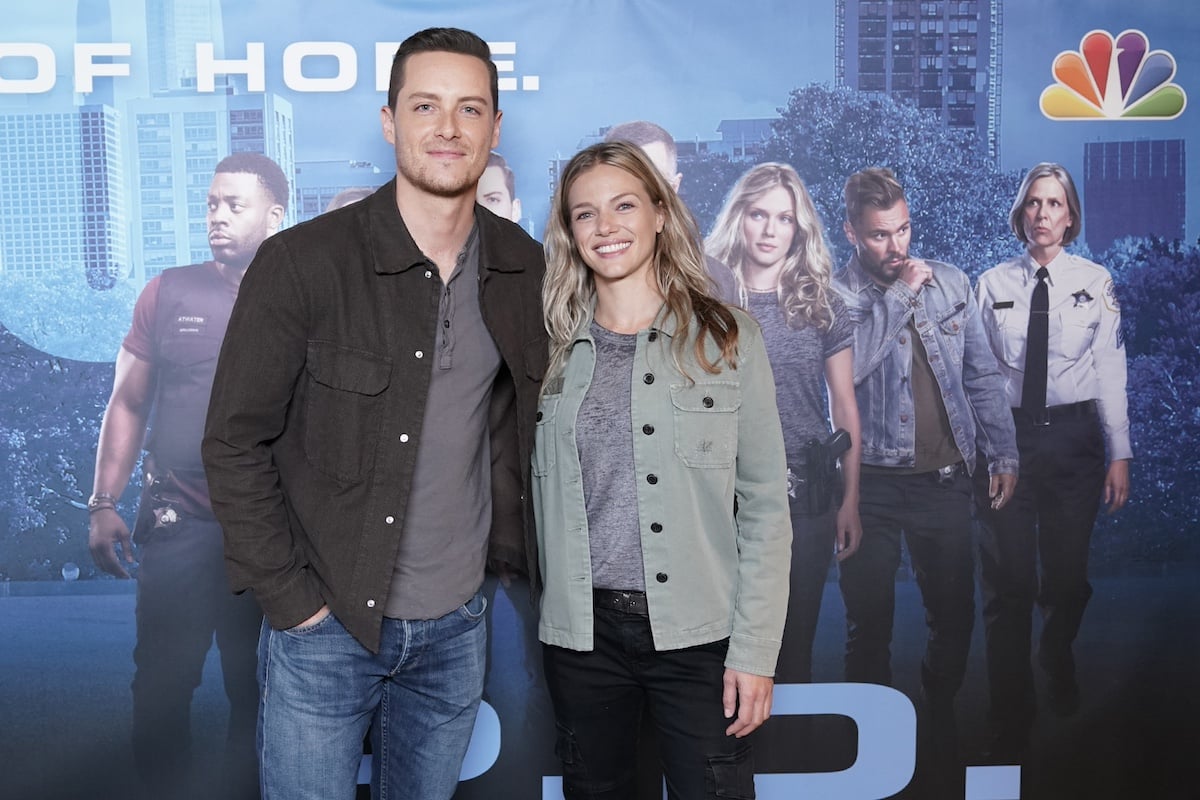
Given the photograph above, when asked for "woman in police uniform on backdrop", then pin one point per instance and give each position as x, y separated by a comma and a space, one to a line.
1054, 324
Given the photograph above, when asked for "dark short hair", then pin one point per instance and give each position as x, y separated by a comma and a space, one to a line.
270, 176
642, 133
876, 187
442, 40
510, 180
1047, 169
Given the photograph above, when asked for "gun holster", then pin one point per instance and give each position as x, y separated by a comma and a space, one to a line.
816, 484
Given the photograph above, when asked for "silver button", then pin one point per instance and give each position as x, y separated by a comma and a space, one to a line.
370, 604
404, 437
428, 274
389, 519
419, 354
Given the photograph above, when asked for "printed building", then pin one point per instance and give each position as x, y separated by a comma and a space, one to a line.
938, 55
1136, 188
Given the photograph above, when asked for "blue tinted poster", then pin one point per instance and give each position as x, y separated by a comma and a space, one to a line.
114, 114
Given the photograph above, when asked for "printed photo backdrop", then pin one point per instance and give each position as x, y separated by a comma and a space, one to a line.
113, 114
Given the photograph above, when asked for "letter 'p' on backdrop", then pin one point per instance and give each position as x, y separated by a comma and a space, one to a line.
113, 114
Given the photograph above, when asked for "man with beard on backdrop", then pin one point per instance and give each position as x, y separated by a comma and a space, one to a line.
164, 372
929, 392
358, 461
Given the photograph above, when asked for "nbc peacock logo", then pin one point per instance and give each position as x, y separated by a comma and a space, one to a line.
1114, 78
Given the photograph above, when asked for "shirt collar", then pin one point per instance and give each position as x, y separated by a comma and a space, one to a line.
1029, 267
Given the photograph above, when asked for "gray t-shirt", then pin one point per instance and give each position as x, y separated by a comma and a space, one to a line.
443, 547
604, 438
797, 356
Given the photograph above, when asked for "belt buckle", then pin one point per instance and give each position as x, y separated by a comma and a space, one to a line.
165, 517
945, 475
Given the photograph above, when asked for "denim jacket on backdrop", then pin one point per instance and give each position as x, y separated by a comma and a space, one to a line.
947, 319
696, 445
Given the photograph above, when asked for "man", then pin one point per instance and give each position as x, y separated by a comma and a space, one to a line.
349, 441
165, 369
659, 147
497, 191
929, 390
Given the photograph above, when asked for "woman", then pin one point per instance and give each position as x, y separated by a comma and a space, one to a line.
1065, 376
657, 411
769, 234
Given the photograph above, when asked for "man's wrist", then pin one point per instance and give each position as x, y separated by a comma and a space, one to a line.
101, 500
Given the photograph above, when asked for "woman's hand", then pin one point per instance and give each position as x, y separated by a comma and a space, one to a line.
750, 696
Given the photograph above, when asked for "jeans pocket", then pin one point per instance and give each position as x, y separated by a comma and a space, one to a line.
297, 630
473, 609
731, 775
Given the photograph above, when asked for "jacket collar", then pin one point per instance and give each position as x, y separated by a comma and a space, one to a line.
393, 248
857, 278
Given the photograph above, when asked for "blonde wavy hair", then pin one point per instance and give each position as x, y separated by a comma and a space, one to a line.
804, 281
569, 289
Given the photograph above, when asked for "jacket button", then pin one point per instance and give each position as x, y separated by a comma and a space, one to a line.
428, 273
653, 337
648, 378
419, 354
656, 527
661, 577
651, 479
647, 429
539, 417
404, 437
903, 339
370, 604
389, 519
904, 417
708, 402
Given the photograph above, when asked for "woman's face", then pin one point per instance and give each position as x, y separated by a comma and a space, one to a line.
1046, 215
614, 224
768, 228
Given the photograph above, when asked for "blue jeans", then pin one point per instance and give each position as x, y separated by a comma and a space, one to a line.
322, 692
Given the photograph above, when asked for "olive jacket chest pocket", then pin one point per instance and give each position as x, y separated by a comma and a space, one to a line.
706, 423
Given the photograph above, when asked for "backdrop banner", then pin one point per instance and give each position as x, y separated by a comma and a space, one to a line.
114, 114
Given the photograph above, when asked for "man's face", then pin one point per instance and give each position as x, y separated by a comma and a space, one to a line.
658, 155
241, 214
492, 193
881, 240
443, 126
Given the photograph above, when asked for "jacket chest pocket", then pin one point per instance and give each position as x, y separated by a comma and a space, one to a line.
951, 327
544, 441
344, 408
706, 419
